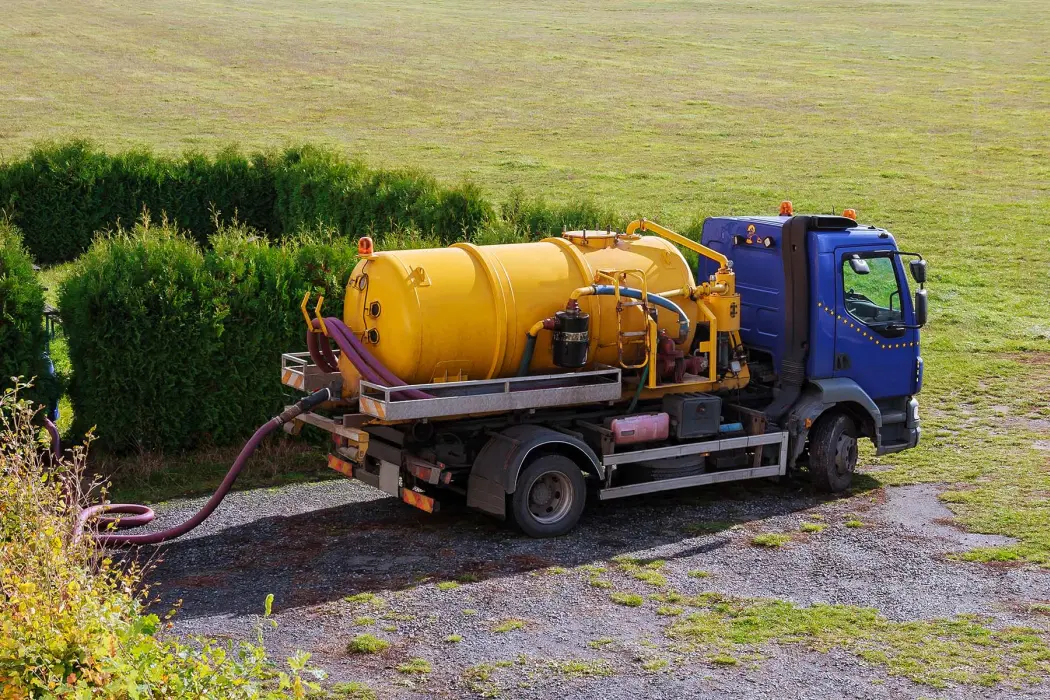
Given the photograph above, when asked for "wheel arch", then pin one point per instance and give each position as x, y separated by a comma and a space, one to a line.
823, 397
495, 472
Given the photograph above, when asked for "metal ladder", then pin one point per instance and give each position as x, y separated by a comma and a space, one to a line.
625, 339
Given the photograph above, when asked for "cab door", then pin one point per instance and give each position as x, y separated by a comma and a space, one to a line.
873, 347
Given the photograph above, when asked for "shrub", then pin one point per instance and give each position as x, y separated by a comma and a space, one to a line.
144, 321
22, 334
262, 286
415, 666
537, 218
62, 194
316, 187
70, 625
172, 347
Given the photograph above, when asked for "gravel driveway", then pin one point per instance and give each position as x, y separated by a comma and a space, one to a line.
314, 545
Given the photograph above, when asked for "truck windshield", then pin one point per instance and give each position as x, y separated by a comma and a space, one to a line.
871, 291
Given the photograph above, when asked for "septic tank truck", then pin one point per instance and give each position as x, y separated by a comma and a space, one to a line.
531, 377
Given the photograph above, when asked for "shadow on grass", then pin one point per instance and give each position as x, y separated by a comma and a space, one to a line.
381, 544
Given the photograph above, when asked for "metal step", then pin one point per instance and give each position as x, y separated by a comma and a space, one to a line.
686, 481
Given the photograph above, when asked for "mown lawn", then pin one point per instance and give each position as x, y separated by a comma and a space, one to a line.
930, 118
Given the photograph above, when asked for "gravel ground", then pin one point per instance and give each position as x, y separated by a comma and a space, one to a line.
313, 545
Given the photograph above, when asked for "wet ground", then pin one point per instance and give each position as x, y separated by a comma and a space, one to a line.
314, 545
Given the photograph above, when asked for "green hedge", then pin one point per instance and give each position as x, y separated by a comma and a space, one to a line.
173, 346
61, 195
537, 217
22, 334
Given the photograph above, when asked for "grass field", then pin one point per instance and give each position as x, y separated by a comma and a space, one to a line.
931, 118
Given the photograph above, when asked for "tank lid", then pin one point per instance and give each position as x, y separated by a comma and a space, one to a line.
592, 239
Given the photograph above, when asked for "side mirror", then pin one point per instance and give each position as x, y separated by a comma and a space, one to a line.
859, 265
918, 270
921, 307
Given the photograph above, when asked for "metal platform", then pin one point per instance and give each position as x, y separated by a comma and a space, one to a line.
755, 471
299, 372
491, 395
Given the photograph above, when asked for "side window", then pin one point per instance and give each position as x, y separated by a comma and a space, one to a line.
871, 292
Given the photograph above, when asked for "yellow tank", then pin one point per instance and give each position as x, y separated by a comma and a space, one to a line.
463, 312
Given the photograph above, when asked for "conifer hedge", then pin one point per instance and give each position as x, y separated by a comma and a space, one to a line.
175, 331
62, 194
22, 333
173, 346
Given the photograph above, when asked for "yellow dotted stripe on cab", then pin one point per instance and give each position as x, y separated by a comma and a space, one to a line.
862, 329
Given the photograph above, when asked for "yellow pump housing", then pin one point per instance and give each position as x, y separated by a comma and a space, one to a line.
463, 312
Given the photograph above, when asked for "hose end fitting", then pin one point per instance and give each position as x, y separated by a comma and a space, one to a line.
303, 405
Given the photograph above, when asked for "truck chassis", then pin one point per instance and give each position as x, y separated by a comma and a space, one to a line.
533, 409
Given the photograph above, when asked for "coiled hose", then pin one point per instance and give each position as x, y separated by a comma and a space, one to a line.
129, 515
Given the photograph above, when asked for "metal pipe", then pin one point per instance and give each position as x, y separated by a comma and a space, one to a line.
664, 232
632, 293
526, 355
582, 292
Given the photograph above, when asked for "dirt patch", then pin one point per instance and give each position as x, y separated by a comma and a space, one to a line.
919, 510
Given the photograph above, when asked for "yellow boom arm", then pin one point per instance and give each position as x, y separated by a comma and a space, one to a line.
643, 225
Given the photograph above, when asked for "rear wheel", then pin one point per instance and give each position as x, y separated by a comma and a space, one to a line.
833, 453
549, 497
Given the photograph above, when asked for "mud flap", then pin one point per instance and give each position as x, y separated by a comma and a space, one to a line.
486, 495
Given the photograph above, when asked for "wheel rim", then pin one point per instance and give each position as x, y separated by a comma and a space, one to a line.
845, 455
550, 497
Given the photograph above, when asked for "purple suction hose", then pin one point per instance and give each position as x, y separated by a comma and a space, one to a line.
320, 350
140, 515
366, 363
130, 515
56, 441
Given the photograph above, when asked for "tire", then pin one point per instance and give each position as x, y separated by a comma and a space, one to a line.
549, 497
833, 453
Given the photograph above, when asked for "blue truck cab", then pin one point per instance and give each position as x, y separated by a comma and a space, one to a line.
831, 330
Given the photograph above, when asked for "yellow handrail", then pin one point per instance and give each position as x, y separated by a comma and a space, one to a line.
664, 232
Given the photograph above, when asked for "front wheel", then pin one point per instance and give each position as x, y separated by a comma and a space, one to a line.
549, 497
833, 453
